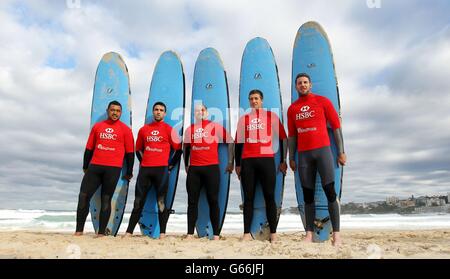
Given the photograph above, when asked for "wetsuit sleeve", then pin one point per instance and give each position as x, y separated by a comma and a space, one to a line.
87, 158
292, 131
339, 140
139, 155
239, 141
186, 153
238, 153
129, 158
331, 114
176, 157
283, 149
292, 143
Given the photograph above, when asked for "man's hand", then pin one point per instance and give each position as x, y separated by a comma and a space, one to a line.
186, 168
230, 168
342, 159
238, 172
84, 170
283, 167
128, 177
292, 165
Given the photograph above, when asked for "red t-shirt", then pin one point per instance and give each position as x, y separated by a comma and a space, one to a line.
257, 130
204, 139
307, 120
110, 140
155, 140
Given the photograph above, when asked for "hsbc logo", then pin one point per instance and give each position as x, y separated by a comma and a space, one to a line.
154, 138
108, 135
256, 124
305, 113
199, 134
155, 133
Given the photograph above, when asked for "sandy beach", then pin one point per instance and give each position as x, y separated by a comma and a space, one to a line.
357, 244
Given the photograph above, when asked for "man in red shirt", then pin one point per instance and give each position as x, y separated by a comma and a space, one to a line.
109, 142
153, 145
201, 157
255, 149
307, 125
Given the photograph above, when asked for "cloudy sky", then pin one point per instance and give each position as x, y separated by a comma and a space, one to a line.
392, 59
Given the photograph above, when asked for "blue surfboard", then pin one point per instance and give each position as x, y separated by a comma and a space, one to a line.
312, 55
259, 71
167, 86
111, 83
210, 88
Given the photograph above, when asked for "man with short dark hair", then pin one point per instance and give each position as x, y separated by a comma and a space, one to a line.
153, 146
308, 135
109, 142
254, 153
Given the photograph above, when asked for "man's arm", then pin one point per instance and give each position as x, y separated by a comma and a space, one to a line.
292, 142
186, 155
342, 158
87, 158
175, 158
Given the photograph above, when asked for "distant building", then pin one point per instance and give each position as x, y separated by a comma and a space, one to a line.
408, 203
392, 200
421, 201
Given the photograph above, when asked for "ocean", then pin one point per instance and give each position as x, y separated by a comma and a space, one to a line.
64, 221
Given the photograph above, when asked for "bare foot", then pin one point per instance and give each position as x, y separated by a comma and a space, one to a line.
99, 235
189, 237
337, 241
273, 237
78, 234
216, 237
246, 237
308, 238
162, 236
127, 235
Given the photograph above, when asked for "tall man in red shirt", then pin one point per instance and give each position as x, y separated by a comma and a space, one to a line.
201, 157
109, 142
307, 125
153, 145
255, 149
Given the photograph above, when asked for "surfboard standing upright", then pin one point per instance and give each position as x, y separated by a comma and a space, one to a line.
111, 83
259, 71
167, 86
210, 88
312, 55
